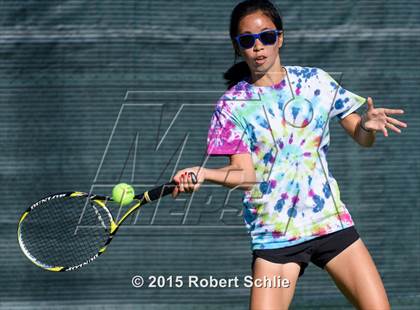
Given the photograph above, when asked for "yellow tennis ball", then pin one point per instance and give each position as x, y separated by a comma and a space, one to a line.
123, 193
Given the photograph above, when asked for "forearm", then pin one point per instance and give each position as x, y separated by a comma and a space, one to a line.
362, 136
231, 176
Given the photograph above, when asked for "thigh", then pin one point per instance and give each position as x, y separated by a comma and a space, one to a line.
276, 298
355, 274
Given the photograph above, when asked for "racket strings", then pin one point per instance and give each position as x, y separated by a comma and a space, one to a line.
65, 231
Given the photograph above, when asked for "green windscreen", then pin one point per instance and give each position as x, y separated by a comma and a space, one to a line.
99, 92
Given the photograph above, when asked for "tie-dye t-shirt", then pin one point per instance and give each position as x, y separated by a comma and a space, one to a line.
285, 128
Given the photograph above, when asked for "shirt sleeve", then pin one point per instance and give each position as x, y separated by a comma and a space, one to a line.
343, 102
226, 135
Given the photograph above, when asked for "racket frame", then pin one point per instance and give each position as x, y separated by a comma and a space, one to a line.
99, 201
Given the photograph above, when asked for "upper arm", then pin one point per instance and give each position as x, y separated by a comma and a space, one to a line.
350, 123
242, 160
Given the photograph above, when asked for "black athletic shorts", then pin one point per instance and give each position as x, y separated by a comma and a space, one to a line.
319, 250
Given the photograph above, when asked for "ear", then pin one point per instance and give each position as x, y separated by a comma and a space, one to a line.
280, 39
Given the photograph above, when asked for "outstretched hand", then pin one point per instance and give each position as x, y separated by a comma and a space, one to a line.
377, 119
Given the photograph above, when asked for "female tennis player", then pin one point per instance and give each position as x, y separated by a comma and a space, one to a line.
272, 122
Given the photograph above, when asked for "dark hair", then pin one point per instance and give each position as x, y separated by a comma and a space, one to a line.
240, 70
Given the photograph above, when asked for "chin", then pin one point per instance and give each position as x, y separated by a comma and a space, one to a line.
263, 68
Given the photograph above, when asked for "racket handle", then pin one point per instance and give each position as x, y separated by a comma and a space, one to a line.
167, 188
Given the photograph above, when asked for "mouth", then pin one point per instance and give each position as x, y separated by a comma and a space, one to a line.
260, 60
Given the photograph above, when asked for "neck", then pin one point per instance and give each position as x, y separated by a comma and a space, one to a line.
275, 75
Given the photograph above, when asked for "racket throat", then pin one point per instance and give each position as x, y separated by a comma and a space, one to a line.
114, 227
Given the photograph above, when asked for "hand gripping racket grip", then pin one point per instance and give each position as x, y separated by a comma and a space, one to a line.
167, 188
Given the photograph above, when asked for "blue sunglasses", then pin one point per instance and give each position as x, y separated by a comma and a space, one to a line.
267, 37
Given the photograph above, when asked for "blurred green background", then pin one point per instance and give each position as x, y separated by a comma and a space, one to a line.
82, 82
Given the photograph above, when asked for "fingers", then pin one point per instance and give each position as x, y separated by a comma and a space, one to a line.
395, 121
390, 126
185, 182
391, 122
190, 185
187, 185
181, 183
175, 192
394, 111
369, 103
385, 131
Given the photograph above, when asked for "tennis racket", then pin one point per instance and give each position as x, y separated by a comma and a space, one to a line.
66, 231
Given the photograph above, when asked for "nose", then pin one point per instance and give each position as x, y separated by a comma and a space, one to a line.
258, 44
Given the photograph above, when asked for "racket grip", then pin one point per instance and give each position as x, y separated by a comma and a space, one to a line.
167, 188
